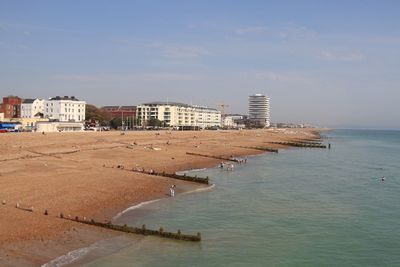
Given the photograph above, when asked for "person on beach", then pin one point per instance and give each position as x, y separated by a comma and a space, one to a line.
221, 165
172, 191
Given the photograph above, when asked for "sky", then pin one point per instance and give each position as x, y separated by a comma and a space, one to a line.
328, 63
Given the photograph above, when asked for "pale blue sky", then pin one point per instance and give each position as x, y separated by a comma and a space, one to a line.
330, 63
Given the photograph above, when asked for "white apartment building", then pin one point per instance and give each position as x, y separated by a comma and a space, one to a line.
65, 109
32, 108
178, 114
259, 109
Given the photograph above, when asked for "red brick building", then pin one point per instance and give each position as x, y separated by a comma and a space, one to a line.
11, 107
121, 111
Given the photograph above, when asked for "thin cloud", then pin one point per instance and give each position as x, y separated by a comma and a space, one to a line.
185, 52
294, 30
276, 76
252, 29
22, 46
167, 50
345, 56
149, 77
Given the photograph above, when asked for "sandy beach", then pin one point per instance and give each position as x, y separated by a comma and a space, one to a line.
77, 174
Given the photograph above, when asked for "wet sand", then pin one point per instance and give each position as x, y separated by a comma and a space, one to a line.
77, 174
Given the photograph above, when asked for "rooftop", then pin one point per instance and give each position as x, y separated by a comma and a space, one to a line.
119, 107
28, 101
160, 103
64, 98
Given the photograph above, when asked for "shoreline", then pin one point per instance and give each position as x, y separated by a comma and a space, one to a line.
72, 258
190, 164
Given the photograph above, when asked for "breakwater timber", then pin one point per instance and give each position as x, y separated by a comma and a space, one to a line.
301, 144
122, 228
262, 148
184, 177
138, 230
214, 157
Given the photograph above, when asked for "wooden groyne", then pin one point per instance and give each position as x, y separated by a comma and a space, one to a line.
184, 177
313, 141
136, 230
122, 228
262, 148
300, 144
213, 157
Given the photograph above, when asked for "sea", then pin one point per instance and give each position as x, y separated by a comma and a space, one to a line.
298, 207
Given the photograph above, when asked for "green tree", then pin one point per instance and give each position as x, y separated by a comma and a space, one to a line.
95, 114
155, 122
115, 123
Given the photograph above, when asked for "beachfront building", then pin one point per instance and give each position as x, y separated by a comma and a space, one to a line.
64, 109
26, 124
59, 126
179, 115
32, 108
121, 111
259, 110
11, 107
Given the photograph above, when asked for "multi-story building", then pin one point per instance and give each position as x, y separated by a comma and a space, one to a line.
179, 115
65, 109
121, 111
206, 117
32, 108
11, 107
259, 110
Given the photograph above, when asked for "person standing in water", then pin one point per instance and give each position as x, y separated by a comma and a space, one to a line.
383, 178
172, 191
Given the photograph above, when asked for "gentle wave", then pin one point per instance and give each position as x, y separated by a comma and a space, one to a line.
70, 257
77, 254
141, 204
199, 190
190, 170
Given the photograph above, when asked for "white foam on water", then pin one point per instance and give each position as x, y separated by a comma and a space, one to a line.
140, 205
70, 257
191, 170
208, 188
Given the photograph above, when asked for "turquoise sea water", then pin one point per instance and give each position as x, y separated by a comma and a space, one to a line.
300, 207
